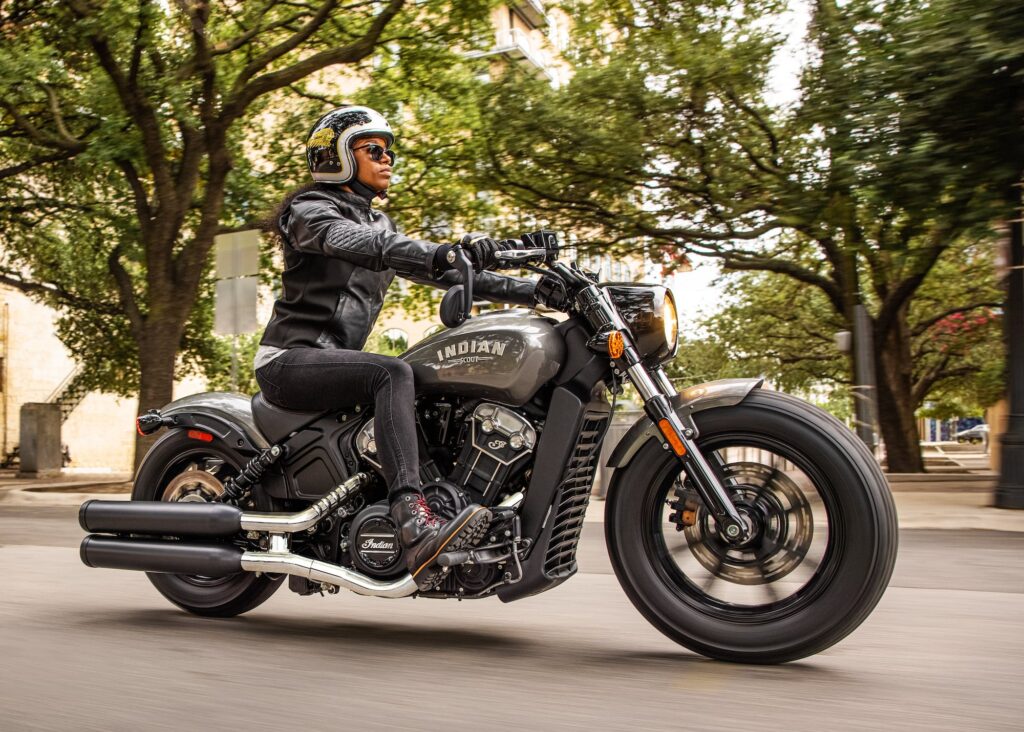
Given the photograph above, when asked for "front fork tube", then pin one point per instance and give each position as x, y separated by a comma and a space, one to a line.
657, 391
713, 494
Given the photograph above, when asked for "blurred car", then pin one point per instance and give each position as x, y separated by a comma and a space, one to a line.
976, 435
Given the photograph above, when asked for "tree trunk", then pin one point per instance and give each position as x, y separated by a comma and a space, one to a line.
157, 356
896, 407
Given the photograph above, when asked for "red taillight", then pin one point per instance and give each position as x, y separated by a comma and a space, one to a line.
200, 435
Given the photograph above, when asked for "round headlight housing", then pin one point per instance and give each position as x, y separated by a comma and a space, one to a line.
650, 313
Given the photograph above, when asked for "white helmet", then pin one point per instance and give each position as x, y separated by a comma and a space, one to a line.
329, 145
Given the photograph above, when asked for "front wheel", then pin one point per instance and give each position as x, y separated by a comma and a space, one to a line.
179, 468
823, 534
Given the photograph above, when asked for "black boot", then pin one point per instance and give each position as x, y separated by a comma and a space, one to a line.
424, 536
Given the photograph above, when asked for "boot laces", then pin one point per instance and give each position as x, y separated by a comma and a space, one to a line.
426, 514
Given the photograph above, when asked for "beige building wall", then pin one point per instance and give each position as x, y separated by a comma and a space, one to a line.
100, 432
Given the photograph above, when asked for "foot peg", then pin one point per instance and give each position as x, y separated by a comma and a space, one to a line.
453, 559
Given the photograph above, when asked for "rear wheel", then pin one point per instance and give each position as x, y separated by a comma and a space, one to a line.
179, 468
823, 534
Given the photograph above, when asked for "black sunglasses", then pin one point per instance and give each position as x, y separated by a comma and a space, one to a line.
377, 152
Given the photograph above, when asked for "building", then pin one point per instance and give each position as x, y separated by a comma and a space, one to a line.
98, 429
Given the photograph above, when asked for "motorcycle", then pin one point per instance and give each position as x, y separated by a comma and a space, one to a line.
743, 523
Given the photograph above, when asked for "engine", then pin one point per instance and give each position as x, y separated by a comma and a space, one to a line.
494, 445
484, 453
372, 541
499, 439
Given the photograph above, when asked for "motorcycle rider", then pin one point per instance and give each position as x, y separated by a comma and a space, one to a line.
340, 257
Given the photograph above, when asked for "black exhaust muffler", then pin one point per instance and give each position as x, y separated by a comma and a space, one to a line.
161, 518
153, 555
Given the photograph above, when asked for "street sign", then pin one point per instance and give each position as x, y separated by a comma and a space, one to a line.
237, 264
237, 255
234, 309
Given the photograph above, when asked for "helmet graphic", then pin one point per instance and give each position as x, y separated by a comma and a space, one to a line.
329, 145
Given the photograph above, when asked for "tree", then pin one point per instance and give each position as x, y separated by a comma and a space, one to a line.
784, 331
668, 140
133, 132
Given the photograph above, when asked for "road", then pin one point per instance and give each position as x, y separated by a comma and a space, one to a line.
89, 649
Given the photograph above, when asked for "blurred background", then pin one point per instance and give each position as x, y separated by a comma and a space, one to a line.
832, 189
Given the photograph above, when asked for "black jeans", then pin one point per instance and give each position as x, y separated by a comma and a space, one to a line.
319, 379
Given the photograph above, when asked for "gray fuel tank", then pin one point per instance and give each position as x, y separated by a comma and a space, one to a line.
504, 356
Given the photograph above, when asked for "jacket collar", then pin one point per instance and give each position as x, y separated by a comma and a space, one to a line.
351, 197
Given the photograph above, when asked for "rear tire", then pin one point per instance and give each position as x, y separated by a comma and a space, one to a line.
838, 482
169, 460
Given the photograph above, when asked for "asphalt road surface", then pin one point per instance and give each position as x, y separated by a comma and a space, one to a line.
88, 649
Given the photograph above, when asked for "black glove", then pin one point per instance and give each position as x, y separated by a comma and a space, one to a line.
550, 291
481, 249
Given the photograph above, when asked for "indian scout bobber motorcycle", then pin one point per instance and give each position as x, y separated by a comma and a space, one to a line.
743, 523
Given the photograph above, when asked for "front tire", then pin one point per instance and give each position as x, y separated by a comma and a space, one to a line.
180, 468
824, 546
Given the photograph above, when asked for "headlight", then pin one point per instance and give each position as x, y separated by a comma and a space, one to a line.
671, 319
650, 313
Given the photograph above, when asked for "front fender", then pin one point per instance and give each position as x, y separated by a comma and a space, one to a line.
721, 393
227, 415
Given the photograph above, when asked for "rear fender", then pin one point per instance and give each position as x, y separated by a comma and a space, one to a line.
227, 416
721, 393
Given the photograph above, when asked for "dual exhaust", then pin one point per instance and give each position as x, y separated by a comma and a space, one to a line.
193, 550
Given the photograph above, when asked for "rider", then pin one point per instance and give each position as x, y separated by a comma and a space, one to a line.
340, 255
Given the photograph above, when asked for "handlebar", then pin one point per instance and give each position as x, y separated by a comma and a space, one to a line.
521, 256
457, 304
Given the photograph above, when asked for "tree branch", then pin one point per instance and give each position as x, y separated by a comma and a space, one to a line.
137, 107
355, 51
902, 292
923, 326
56, 291
788, 268
285, 46
14, 170
126, 294
142, 208
39, 137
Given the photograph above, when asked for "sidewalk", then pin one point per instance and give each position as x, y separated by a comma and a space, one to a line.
923, 501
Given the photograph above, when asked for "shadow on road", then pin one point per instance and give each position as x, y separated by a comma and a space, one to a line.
373, 640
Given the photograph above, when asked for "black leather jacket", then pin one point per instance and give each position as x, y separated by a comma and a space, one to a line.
340, 257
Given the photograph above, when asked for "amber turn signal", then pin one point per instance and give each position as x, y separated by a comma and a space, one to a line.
673, 438
616, 344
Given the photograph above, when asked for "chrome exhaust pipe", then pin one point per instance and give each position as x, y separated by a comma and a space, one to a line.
284, 562
289, 523
190, 519
222, 560
163, 518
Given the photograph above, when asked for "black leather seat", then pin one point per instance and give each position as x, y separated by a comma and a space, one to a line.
276, 423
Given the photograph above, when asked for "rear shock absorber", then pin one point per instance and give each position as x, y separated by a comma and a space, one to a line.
237, 487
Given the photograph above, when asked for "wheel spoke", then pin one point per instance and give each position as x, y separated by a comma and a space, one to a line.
765, 483
711, 578
768, 586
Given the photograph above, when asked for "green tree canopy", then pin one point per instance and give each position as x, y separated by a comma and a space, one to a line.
665, 140
132, 132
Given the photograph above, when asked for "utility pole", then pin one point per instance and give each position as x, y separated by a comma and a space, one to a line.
1010, 488
865, 394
